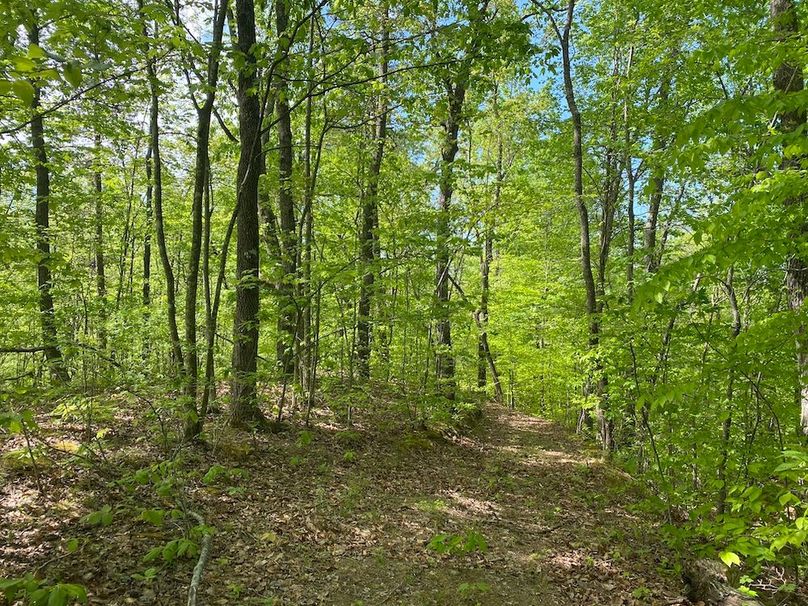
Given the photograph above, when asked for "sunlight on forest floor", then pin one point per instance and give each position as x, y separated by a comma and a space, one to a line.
299, 522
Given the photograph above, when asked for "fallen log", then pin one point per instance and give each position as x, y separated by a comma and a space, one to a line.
707, 581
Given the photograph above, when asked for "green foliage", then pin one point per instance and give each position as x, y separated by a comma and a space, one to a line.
102, 517
463, 544
41, 593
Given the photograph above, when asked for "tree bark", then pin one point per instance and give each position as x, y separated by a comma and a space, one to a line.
100, 275
368, 235
245, 338
194, 423
583, 212
147, 236
53, 354
657, 190
287, 313
157, 193
444, 358
788, 79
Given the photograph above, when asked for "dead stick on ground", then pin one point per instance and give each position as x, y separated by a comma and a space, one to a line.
199, 569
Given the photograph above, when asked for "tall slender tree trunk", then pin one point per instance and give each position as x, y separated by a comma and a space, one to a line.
368, 235
583, 213
47, 316
657, 191
287, 316
245, 338
631, 185
157, 194
146, 295
788, 79
100, 275
204, 113
444, 358
485, 359
726, 426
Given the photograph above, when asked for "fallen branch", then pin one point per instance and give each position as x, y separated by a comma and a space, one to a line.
199, 569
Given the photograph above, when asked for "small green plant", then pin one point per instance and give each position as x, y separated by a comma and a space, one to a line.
147, 576
458, 544
348, 437
173, 550
349, 456
219, 474
641, 593
305, 438
469, 589
102, 517
39, 593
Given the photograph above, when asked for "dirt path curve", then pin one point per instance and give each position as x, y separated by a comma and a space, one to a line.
346, 518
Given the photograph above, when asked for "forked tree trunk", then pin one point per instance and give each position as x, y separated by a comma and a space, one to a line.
195, 421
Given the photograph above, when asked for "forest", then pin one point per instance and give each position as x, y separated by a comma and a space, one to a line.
423, 302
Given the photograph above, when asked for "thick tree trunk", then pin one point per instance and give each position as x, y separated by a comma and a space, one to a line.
368, 235
53, 354
287, 316
245, 338
788, 78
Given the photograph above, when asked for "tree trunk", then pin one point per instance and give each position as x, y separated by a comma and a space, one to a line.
444, 358
788, 78
368, 235
53, 354
147, 235
157, 193
194, 422
245, 338
287, 313
485, 359
657, 190
727, 424
707, 583
583, 212
100, 275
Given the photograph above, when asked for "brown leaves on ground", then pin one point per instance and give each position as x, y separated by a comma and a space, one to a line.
330, 516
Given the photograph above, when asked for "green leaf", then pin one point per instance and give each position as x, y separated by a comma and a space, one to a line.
24, 91
729, 558
35, 51
72, 73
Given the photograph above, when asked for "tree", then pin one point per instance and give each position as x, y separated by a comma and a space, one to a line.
245, 332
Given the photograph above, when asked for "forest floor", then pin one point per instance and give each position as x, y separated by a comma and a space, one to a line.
524, 513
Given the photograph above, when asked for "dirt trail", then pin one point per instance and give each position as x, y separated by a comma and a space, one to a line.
317, 526
347, 518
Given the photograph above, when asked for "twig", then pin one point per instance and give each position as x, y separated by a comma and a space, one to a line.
199, 569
